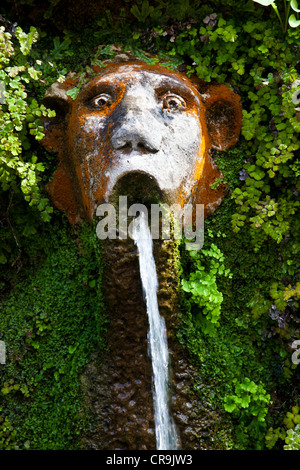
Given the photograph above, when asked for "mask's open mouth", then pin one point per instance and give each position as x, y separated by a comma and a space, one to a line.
134, 193
138, 187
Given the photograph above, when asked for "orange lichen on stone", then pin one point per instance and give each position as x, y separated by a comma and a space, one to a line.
61, 192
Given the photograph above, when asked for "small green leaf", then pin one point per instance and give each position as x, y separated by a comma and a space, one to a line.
294, 6
293, 22
3, 258
35, 74
73, 93
265, 3
39, 136
72, 349
230, 404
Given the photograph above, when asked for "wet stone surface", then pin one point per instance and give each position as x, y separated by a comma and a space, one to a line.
123, 410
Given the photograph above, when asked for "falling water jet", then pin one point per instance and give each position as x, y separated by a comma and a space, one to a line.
165, 430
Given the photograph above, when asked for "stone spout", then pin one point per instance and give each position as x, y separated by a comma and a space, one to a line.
134, 117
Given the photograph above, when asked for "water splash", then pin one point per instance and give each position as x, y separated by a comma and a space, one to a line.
166, 436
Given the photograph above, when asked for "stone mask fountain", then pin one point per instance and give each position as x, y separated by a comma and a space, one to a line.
144, 132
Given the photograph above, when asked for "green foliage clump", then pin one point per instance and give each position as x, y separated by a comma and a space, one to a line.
292, 440
20, 122
208, 264
7, 434
249, 404
270, 212
20, 115
290, 433
257, 317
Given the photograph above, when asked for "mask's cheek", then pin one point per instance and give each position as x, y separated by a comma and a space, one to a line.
86, 152
186, 145
182, 140
86, 136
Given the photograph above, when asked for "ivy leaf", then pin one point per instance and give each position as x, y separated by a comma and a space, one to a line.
26, 40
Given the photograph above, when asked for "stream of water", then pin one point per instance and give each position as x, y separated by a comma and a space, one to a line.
166, 436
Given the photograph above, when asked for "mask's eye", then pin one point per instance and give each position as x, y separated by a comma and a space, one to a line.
101, 100
172, 102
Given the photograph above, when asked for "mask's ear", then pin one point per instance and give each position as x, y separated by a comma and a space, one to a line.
223, 114
60, 187
55, 128
223, 118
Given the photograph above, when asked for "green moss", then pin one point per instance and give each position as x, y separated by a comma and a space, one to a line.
51, 322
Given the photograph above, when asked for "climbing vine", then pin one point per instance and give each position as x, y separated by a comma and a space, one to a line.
20, 113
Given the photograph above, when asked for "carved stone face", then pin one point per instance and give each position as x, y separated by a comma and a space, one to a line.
140, 122
136, 121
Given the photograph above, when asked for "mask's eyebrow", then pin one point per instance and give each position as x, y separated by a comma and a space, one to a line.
173, 85
161, 84
102, 85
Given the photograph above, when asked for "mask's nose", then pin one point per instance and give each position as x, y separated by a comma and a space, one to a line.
138, 125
